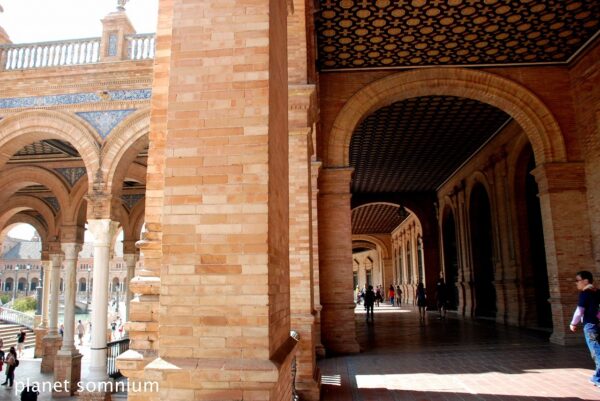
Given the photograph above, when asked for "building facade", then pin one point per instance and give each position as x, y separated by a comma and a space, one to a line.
272, 148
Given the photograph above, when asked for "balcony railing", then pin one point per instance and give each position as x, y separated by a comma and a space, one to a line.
140, 46
114, 349
16, 317
70, 52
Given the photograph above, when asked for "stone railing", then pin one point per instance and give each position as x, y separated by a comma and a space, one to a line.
140, 46
49, 54
16, 317
70, 52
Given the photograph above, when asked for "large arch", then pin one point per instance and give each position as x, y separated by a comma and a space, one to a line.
385, 249
16, 204
30, 126
526, 108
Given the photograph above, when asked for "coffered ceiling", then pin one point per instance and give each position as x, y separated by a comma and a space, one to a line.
405, 33
375, 219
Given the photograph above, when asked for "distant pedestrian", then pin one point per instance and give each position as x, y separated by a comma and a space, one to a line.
587, 314
369, 299
421, 301
61, 329
12, 362
441, 295
391, 294
378, 296
398, 295
80, 332
21, 342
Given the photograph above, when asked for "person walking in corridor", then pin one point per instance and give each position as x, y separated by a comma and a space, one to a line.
398, 296
586, 313
391, 294
421, 301
369, 300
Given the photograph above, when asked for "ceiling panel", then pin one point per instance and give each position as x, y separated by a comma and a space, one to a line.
376, 219
416, 144
402, 33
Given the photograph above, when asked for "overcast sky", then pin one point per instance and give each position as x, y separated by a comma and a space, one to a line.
28, 21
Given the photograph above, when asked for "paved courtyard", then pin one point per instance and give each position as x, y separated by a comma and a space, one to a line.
454, 360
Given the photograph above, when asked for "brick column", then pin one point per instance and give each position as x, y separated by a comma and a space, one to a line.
52, 341
567, 236
338, 330
67, 365
115, 27
301, 270
315, 168
224, 285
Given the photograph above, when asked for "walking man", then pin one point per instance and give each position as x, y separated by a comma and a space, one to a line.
587, 314
369, 299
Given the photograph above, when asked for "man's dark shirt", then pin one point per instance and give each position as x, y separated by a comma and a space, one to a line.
589, 300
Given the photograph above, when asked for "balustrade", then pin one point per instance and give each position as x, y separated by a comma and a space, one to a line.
12, 316
140, 46
69, 52
114, 349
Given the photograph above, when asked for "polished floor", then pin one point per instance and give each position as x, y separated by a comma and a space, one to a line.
453, 359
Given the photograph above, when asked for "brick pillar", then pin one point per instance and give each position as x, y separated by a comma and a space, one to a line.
567, 236
224, 285
301, 270
315, 168
113, 45
40, 333
387, 266
338, 330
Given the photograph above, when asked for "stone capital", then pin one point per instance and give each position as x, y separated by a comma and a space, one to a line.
71, 250
130, 258
103, 231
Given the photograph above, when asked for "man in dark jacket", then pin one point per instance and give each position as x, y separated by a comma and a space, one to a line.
369, 302
587, 314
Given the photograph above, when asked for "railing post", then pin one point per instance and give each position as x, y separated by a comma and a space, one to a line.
113, 46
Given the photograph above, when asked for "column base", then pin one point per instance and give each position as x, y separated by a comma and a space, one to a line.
50, 345
95, 396
40, 333
67, 370
567, 338
311, 390
339, 328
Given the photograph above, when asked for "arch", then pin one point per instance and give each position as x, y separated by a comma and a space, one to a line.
30, 126
13, 179
521, 104
123, 145
8, 284
382, 246
21, 218
16, 204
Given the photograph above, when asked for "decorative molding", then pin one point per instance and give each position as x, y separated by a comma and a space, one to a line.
53, 202
104, 121
131, 200
75, 98
71, 174
112, 44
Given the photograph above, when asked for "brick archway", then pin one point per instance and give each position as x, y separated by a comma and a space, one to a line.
385, 249
520, 103
17, 204
30, 126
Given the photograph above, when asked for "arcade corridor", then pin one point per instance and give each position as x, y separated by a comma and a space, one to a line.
454, 360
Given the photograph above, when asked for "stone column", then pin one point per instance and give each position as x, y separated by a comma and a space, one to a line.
130, 261
67, 366
103, 231
387, 266
42, 329
567, 235
47, 266
52, 341
335, 249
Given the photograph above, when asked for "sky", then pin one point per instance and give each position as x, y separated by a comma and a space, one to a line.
28, 21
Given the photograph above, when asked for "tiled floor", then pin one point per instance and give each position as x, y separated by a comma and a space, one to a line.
454, 360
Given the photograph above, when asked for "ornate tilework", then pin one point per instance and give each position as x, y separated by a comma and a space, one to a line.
112, 44
75, 98
71, 174
408, 33
53, 202
131, 200
104, 121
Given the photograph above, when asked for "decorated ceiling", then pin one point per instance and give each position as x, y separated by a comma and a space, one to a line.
416, 144
409, 33
375, 218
